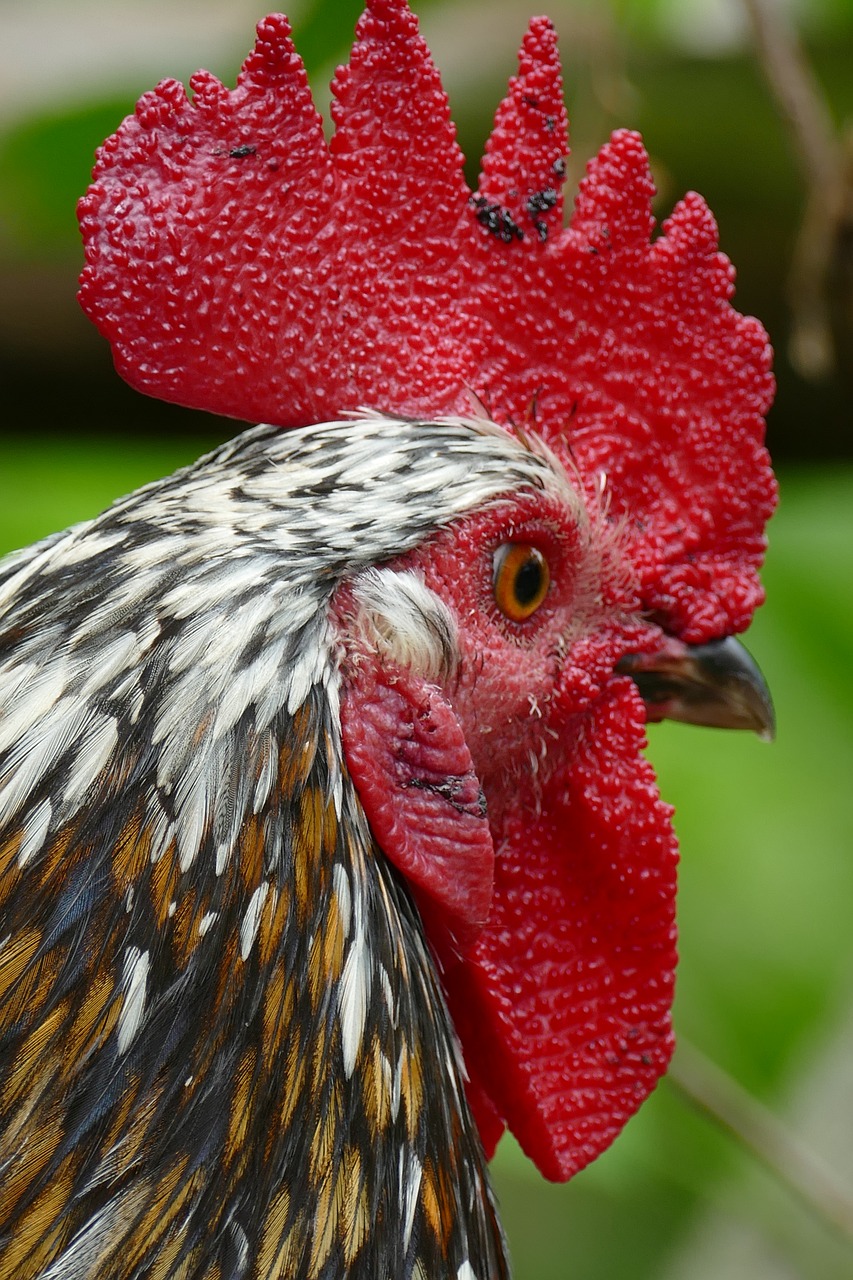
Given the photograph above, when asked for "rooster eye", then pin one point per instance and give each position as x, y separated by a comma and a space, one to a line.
521, 579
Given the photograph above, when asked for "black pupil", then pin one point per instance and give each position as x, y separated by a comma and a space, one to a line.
528, 581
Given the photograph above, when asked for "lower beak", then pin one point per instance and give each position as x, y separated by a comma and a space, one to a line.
715, 684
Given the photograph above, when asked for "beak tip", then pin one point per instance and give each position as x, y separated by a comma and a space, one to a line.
766, 724
714, 684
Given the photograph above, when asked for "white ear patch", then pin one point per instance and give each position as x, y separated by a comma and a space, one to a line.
403, 620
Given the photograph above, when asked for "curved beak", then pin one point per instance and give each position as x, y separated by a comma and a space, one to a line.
716, 684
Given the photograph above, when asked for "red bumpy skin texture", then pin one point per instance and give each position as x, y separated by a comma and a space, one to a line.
239, 263
567, 1027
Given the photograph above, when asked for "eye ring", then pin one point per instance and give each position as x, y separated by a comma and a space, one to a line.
521, 578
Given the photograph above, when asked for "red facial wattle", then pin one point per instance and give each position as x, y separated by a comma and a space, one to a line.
564, 1010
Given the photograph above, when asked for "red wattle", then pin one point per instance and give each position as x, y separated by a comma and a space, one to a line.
563, 1008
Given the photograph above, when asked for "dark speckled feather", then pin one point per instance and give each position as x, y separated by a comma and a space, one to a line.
224, 1048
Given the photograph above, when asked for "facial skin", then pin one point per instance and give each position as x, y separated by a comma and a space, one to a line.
520, 681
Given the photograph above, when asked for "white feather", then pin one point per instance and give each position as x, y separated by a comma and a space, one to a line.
353, 1000
35, 830
411, 1172
92, 756
402, 619
135, 981
252, 919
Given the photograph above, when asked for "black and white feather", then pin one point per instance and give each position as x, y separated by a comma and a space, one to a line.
223, 1048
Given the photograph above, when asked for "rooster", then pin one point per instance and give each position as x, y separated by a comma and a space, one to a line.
327, 846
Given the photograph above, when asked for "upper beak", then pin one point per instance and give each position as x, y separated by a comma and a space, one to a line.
715, 684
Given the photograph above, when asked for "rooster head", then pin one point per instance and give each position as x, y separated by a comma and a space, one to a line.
239, 263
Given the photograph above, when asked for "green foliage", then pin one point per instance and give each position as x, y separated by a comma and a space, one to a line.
45, 166
325, 31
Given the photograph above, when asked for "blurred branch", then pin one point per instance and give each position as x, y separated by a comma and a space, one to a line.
828, 217
796, 1166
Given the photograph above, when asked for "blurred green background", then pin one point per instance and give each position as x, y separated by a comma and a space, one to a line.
766, 903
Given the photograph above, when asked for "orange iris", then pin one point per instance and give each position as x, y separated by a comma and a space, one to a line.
521, 579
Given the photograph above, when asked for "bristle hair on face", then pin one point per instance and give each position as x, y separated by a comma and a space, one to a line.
403, 621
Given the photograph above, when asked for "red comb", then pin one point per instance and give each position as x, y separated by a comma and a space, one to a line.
240, 264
